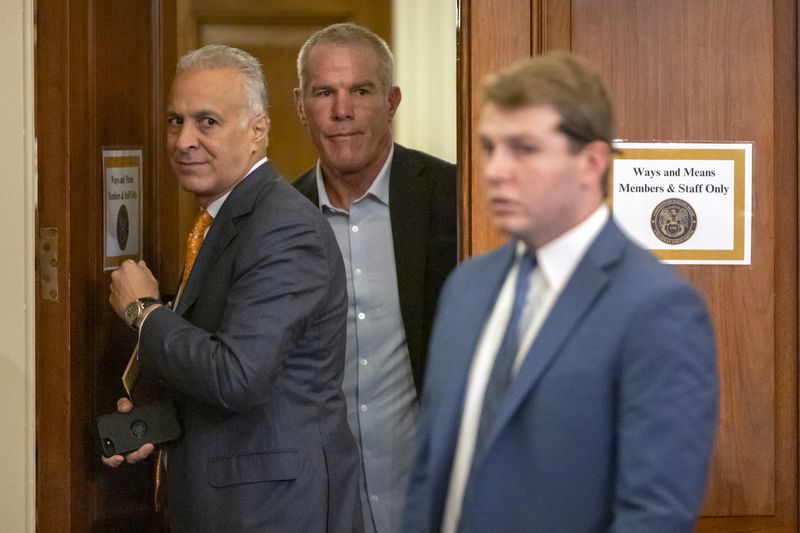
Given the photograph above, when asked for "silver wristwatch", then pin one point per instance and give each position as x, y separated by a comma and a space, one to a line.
135, 310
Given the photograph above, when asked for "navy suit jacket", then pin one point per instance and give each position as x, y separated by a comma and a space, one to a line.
609, 424
422, 208
254, 355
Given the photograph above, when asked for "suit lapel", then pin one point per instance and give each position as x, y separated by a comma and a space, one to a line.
410, 205
223, 230
307, 185
590, 279
410, 197
409, 212
482, 290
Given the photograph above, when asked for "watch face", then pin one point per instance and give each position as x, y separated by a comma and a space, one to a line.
132, 312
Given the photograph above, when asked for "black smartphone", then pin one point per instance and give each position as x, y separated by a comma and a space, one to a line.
122, 433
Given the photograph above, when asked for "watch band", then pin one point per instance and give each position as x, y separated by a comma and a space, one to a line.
145, 303
134, 310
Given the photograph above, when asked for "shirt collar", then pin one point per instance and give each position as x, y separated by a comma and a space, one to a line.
559, 258
214, 207
378, 189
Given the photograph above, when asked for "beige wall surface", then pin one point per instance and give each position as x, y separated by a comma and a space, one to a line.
17, 199
424, 45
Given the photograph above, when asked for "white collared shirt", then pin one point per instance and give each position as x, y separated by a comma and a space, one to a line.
556, 262
214, 207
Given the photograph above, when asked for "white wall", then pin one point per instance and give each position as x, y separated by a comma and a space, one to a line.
17, 200
424, 45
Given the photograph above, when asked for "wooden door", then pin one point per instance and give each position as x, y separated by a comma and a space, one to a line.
101, 72
686, 70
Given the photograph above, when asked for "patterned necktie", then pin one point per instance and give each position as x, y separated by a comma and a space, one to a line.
194, 242
500, 378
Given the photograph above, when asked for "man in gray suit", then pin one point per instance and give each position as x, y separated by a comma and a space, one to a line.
253, 351
572, 381
393, 211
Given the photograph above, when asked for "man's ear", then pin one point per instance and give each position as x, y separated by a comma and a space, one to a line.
260, 128
298, 102
394, 100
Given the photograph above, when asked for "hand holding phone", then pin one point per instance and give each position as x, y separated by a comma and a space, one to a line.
122, 433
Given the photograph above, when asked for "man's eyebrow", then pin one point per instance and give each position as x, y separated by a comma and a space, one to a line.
517, 138
203, 113
318, 86
332, 86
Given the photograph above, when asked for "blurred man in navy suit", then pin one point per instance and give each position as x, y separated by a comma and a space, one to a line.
572, 381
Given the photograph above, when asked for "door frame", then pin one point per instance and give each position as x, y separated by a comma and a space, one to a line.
18, 271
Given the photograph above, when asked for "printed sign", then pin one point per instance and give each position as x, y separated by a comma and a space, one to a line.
122, 180
686, 202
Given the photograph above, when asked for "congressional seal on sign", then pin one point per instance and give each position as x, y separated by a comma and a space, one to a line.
123, 227
673, 221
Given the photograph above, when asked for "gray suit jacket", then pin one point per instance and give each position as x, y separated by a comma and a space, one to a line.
422, 207
254, 355
609, 423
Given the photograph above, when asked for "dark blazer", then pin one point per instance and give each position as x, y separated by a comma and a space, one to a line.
609, 424
422, 207
254, 354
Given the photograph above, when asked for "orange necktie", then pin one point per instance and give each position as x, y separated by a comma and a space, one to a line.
193, 244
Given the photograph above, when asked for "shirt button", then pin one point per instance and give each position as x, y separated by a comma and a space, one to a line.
355, 229
374, 498
361, 316
358, 271
363, 408
363, 362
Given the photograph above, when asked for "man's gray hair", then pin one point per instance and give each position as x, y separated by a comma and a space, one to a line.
219, 56
348, 34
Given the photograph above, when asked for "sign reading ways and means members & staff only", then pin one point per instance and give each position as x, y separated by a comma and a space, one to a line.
122, 189
686, 202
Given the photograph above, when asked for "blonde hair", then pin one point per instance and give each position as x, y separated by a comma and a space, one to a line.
568, 84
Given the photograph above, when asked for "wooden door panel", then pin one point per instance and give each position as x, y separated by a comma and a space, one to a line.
721, 70
710, 83
100, 71
493, 35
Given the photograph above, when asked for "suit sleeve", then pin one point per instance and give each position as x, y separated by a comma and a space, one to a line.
667, 414
280, 279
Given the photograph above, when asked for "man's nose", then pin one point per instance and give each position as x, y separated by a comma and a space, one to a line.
496, 165
343, 107
186, 138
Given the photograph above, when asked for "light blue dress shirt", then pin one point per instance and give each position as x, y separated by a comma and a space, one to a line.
378, 382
